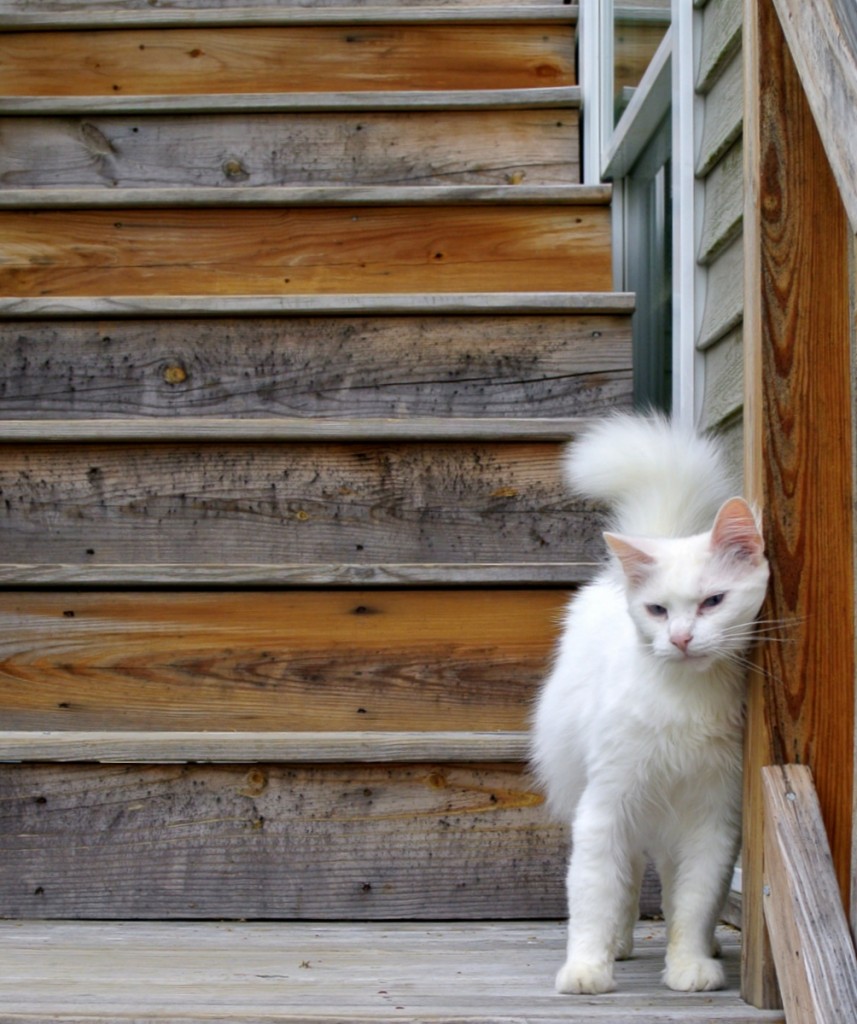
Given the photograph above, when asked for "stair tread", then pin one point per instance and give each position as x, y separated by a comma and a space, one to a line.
230, 971
248, 103
400, 303
111, 16
160, 747
188, 196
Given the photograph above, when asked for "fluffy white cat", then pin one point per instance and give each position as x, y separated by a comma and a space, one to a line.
637, 732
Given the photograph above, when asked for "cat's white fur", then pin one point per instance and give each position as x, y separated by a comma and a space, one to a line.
637, 730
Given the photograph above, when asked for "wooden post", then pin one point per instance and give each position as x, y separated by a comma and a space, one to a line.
798, 447
811, 943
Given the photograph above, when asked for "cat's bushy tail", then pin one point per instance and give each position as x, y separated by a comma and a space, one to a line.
660, 480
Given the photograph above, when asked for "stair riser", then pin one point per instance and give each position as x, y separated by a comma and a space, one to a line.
317, 251
349, 367
276, 59
276, 841
328, 661
361, 148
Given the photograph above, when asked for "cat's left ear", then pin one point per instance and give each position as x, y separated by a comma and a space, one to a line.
736, 535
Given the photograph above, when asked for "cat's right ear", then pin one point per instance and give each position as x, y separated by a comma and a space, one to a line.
636, 563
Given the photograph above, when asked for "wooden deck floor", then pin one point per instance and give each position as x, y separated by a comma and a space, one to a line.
240, 972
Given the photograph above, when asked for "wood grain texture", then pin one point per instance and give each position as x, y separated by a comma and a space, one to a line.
105, 746
395, 367
373, 304
349, 148
209, 972
276, 841
321, 251
221, 503
812, 946
276, 59
286, 660
720, 40
723, 116
798, 337
823, 42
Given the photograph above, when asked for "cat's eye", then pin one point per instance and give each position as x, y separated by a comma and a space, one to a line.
713, 601
657, 611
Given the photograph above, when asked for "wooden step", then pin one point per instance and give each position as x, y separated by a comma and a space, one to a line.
209, 973
277, 59
326, 250
71, 15
464, 144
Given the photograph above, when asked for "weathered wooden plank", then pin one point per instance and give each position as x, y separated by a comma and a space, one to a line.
189, 197
287, 661
78, 14
812, 946
289, 251
724, 380
350, 148
233, 747
307, 574
276, 841
395, 368
457, 303
798, 340
537, 97
289, 503
822, 39
212, 972
306, 58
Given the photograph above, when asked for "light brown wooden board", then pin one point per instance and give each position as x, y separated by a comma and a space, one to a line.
430, 148
279, 660
277, 59
290, 503
317, 367
276, 841
292, 251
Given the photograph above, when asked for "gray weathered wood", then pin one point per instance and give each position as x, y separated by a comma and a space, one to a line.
458, 147
384, 369
212, 973
21, 14
211, 747
470, 303
724, 379
812, 946
251, 103
351, 841
188, 197
312, 502
310, 574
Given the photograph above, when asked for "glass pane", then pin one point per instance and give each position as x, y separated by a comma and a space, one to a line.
638, 28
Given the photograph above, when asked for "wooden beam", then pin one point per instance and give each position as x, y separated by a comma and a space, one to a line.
812, 946
798, 457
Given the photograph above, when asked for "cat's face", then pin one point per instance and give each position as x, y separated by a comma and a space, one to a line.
694, 599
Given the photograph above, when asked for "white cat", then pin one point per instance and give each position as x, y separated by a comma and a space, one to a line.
638, 730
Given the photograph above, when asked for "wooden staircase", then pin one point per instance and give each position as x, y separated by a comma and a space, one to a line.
299, 305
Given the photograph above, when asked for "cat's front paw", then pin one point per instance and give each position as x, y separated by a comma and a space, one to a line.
581, 977
694, 974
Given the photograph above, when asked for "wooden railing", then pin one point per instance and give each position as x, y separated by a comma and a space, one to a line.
811, 944
822, 38
800, 218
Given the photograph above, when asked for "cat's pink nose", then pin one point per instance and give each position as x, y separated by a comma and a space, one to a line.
682, 641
